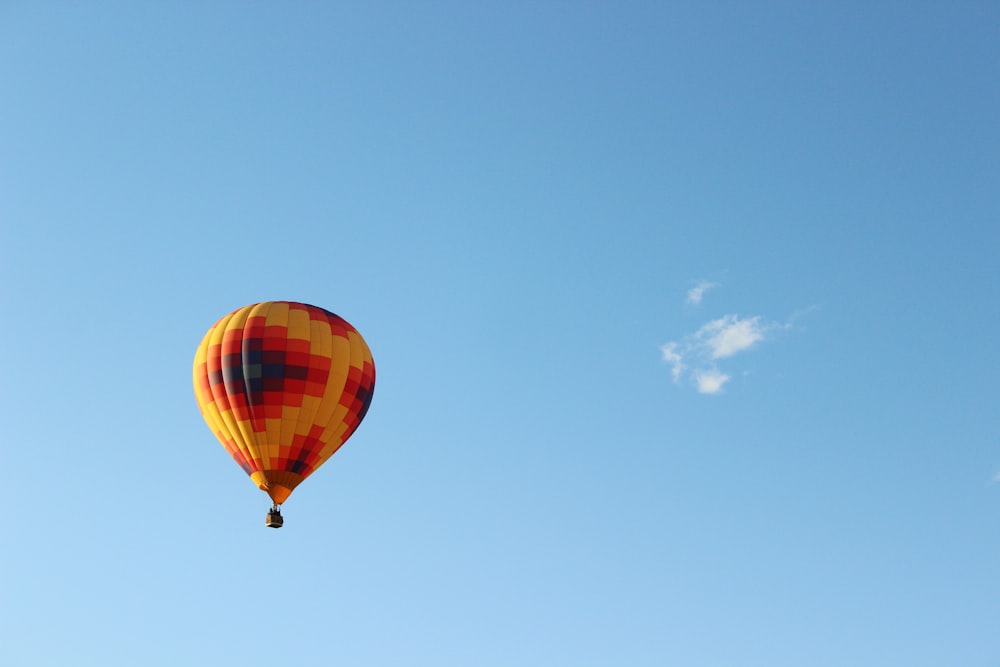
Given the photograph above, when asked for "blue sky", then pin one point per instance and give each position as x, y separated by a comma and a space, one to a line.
684, 316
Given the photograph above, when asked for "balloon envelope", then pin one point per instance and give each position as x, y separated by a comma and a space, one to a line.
282, 385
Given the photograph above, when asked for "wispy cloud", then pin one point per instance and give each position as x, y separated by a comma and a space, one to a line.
728, 335
671, 356
696, 293
700, 358
710, 381
697, 354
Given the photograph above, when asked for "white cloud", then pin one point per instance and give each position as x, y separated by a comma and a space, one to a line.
695, 294
710, 381
671, 356
728, 335
697, 355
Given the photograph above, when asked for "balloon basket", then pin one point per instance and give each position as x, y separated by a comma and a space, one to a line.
274, 519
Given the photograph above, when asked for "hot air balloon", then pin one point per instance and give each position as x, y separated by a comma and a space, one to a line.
282, 385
